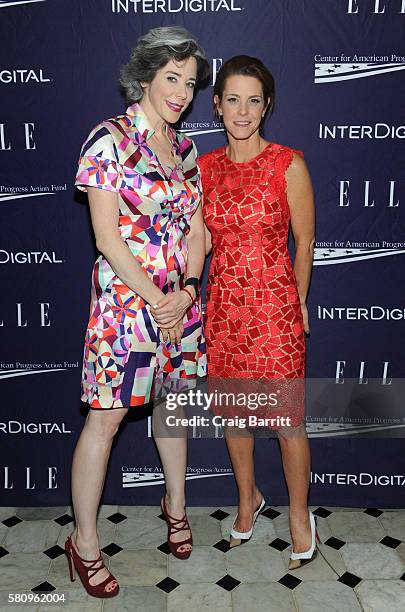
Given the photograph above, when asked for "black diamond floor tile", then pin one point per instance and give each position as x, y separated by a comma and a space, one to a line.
168, 585
373, 512
228, 582
220, 515
349, 579
222, 545
403, 577
111, 549
279, 544
390, 542
65, 519
116, 518
270, 513
290, 581
44, 587
164, 548
322, 512
54, 552
162, 516
11, 521
334, 543
3, 552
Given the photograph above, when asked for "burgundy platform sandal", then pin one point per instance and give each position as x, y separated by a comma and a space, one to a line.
173, 526
86, 572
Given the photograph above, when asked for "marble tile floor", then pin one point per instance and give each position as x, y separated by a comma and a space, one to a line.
360, 565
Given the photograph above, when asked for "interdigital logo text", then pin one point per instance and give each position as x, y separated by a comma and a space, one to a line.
378, 131
357, 313
21, 76
173, 6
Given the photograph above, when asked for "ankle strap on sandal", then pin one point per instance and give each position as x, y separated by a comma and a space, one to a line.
174, 522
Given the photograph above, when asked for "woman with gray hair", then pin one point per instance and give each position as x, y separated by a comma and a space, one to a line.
145, 331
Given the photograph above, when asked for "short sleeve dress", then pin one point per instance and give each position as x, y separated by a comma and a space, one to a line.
125, 362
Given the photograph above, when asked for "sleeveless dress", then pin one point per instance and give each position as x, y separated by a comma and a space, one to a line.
126, 363
254, 327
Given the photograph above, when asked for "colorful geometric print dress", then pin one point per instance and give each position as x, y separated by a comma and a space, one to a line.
254, 326
126, 363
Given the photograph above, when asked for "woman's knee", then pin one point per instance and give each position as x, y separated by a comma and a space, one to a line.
105, 423
293, 435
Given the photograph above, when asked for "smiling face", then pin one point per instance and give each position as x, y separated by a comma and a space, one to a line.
170, 91
242, 105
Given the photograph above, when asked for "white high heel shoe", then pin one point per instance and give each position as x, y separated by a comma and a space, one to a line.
238, 537
299, 559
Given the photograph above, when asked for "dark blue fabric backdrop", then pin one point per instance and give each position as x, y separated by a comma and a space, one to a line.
339, 69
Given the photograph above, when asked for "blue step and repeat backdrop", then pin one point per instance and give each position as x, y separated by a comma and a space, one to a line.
339, 67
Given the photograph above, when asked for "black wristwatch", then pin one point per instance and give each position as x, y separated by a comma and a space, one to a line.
194, 282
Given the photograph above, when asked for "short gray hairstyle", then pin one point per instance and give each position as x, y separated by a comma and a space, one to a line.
153, 51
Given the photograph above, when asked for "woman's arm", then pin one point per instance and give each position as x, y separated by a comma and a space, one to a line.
208, 238
196, 245
301, 203
104, 217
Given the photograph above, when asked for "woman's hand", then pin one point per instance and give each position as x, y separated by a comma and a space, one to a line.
171, 307
304, 311
174, 333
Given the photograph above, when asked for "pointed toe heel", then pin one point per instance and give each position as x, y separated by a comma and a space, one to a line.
241, 537
233, 542
299, 559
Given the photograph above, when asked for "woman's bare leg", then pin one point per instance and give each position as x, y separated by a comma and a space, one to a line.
89, 467
172, 446
241, 448
295, 454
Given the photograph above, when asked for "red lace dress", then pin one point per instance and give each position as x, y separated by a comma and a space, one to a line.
254, 327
